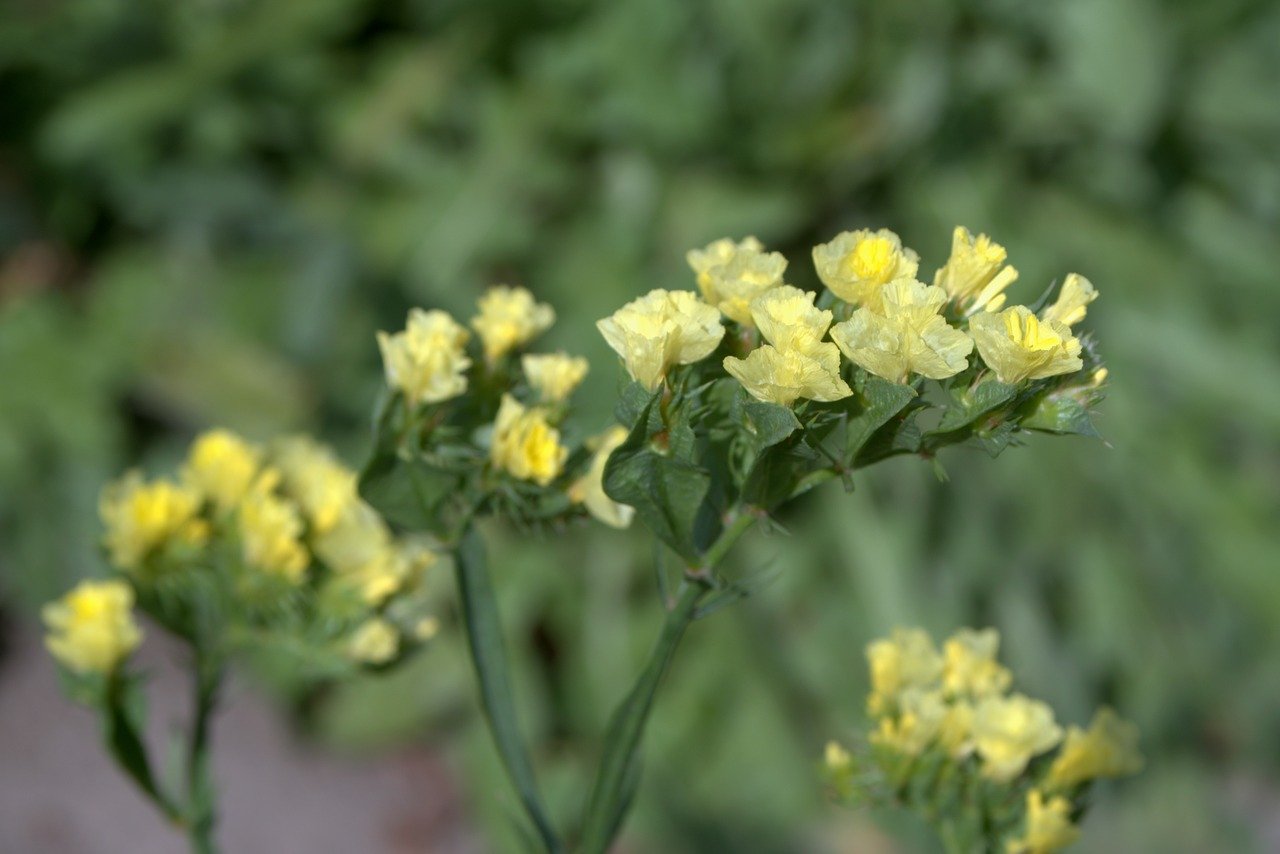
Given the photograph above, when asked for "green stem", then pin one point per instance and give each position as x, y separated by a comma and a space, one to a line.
201, 795
619, 772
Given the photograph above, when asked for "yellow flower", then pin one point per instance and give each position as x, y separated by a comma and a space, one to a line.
906, 335
906, 659
730, 275
588, 490
975, 275
221, 465
360, 550
1018, 346
510, 318
311, 476
786, 315
969, 664
1009, 731
1073, 301
806, 369
525, 445
836, 759
660, 330
1049, 826
426, 629
554, 376
956, 731
855, 265
375, 642
142, 517
271, 531
427, 361
917, 724
91, 628
1108, 749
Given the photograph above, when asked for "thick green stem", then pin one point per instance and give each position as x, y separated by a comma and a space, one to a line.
619, 773
201, 796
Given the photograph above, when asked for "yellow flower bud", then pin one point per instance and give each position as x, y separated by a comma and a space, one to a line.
554, 376
785, 315
375, 642
836, 759
1108, 749
975, 276
360, 550
314, 478
806, 369
905, 336
426, 629
906, 659
1009, 731
1073, 301
427, 361
525, 445
588, 490
1018, 346
660, 330
730, 275
916, 725
855, 265
221, 465
969, 664
141, 517
271, 531
1048, 826
510, 318
91, 628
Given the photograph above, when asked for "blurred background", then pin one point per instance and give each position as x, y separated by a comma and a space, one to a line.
208, 207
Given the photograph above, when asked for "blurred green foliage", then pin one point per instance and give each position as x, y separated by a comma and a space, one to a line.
208, 207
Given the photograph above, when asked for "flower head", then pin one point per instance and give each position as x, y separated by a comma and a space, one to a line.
730, 275
660, 330
525, 445
805, 369
315, 479
1018, 346
786, 315
271, 531
855, 265
1073, 301
969, 664
1048, 826
588, 490
142, 517
1109, 748
905, 336
221, 465
361, 551
906, 659
554, 376
427, 361
1009, 731
510, 318
917, 723
376, 641
975, 275
91, 628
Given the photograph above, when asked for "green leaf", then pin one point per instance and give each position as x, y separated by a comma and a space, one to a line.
1060, 414
778, 473
770, 423
124, 714
973, 404
881, 400
489, 657
407, 491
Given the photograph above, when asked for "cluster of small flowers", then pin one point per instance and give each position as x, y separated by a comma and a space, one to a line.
285, 517
427, 363
949, 714
893, 325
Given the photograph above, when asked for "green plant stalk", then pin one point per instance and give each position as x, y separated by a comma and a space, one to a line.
201, 794
618, 774
489, 660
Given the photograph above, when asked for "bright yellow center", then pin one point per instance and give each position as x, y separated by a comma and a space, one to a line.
873, 258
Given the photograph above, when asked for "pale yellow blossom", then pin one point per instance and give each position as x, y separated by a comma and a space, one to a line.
360, 550
221, 466
588, 490
907, 335
271, 531
661, 330
1048, 826
856, 265
525, 445
1073, 300
730, 275
969, 664
975, 276
427, 361
314, 478
141, 518
805, 369
1018, 346
906, 659
917, 723
376, 641
786, 315
554, 376
510, 318
91, 629
1009, 731
1109, 748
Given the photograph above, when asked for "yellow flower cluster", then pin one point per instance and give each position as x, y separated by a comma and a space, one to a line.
221, 466
856, 265
91, 628
661, 330
271, 531
143, 518
554, 376
510, 318
795, 363
588, 490
427, 361
525, 445
731, 275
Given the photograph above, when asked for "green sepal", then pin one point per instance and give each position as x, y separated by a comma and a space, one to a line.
1062, 414
770, 423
